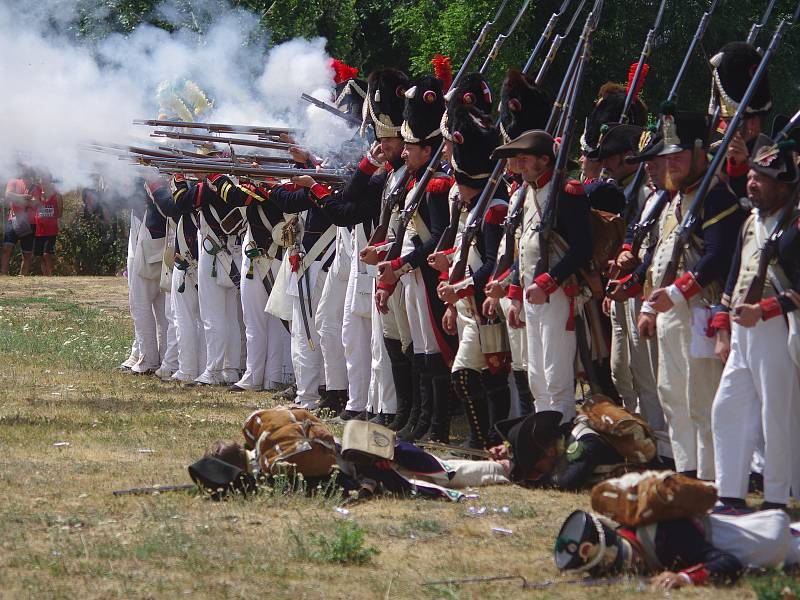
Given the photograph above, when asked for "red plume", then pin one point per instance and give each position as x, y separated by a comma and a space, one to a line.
443, 70
631, 73
342, 72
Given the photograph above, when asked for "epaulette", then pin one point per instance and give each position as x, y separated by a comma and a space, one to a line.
439, 185
574, 187
496, 214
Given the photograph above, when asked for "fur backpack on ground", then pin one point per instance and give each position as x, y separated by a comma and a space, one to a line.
639, 499
291, 436
629, 434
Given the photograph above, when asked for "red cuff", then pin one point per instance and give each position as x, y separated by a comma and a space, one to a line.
721, 321
698, 574
449, 251
770, 307
630, 286
514, 292
736, 170
546, 283
320, 191
214, 177
367, 167
389, 287
627, 247
397, 263
443, 276
688, 285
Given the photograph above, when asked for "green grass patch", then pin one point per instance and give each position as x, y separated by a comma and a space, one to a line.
775, 586
345, 546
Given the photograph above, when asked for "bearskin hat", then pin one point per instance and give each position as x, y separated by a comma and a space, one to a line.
350, 96
733, 69
474, 138
608, 109
472, 90
523, 106
423, 111
385, 102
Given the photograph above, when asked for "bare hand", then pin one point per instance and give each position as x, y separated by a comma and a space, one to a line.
438, 261
499, 452
447, 293
285, 137
489, 307
607, 306
377, 152
660, 300
747, 315
514, 313
646, 326
369, 255
386, 273
299, 155
535, 295
305, 181
722, 347
449, 321
668, 580
626, 260
382, 301
737, 150
495, 290
616, 291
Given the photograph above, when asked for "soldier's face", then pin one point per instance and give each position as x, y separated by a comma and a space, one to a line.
590, 168
531, 167
447, 151
657, 169
416, 156
678, 169
766, 194
392, 148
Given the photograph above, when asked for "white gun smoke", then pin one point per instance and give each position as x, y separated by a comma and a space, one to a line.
61, 91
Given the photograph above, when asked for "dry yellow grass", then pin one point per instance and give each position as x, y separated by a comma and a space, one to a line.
63, 534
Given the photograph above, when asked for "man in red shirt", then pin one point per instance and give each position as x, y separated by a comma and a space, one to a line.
20, 225
47, 211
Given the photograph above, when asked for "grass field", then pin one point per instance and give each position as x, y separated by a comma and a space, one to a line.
71, 431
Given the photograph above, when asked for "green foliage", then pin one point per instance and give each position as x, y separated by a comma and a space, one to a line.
775, 586
88, 246
345, 546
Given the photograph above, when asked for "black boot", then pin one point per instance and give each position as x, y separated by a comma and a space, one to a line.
442, 392
417, 367
332, 401
403, 381
524, 392
468, 387
498, 400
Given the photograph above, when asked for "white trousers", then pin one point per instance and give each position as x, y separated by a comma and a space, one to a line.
358, 351
189, 330
382, 393
517, 339
686, 388
133, 234
551, 355
633, 364
220, 311
265, 335
328, 320
758, 401
309, 367
149, 321
419, 316
469, 354
169, 360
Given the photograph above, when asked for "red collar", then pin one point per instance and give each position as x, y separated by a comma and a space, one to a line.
543, 180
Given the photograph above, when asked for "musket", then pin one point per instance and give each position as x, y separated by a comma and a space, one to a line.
756, 288
350, 119
548, 219
291, 240
243, 158
692, 216
478, 43
752, 35
647, 48
156, 489
544, 585
547, 34
196, 137
393, 198
217, 127
439, 447
498, 43
186, 166
554, 47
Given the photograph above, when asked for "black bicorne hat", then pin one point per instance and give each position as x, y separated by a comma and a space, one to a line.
350, 95
523, 106
588, 542
733, 69
530, 437
383, 107
422, 115
616, 138
608, 109
774, 160
679, 131
474, 138
472, 90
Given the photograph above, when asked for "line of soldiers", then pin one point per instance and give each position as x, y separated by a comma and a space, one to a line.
386, 322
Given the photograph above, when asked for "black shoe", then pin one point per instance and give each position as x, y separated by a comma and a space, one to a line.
332, 401
349, 415
755, 483
235, 388
382, 419
772, 506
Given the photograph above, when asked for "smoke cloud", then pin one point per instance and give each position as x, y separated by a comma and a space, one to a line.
61, 91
